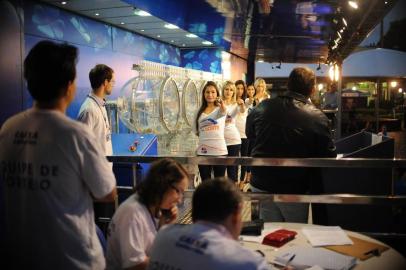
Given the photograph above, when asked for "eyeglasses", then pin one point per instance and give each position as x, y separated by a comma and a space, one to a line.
177, 190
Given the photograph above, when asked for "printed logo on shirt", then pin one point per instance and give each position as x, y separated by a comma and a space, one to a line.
20, 175
191, 243
25, 137
208, 122
229, 119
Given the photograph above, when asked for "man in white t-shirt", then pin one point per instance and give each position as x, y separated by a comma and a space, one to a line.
93, 111
51, 170
211, 242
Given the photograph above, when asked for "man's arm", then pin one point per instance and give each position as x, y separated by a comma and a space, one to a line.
110, 197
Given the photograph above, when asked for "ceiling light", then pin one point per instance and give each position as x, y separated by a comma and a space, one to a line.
172, 41
158, 36
64, 2
122, 23
400, 90
97, 14
170, 26
393, 83
141, 13
260, 61
353, 4
354, 88
338, 33
386, 2
207, 42
183, 44
342, 30
142, 30
345, 21
191, 36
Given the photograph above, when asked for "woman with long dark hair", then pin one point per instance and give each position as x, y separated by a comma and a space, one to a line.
137, 220
209, 126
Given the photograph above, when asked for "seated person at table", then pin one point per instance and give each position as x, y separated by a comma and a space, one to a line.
137, 220
211, 242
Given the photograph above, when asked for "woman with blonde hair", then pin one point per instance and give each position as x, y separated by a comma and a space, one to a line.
260, 89
231, 134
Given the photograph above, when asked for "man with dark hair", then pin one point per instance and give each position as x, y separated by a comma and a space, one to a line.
288, 126
51, 169
93, 112
211, 242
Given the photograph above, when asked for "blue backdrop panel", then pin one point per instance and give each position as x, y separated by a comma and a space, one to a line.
202, 59
147, 146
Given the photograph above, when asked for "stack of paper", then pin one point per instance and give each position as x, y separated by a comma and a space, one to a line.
326, 236
305, 257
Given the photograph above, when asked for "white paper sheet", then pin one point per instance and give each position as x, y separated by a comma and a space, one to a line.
326, 236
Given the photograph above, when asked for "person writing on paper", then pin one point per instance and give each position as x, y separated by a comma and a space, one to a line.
211, 242
137, 220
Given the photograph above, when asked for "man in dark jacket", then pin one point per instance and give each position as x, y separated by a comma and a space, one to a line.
289, 126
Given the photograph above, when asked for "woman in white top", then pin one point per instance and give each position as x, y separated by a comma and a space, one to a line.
231, 133
260, 90
209, 126
240, 123
137, 220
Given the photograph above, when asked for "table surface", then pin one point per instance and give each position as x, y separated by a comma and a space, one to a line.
389, 260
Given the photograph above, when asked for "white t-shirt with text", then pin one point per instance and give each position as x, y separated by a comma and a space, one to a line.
202, 246
211, 134
50, 169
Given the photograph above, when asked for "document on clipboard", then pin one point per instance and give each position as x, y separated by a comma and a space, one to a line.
361, 249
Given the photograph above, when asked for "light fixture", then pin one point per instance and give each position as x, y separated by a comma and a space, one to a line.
141, 13
400, 90
393, 83
97, 14
158, 36
191, 35
354, 88
339, 34
142, 30
334, 72
386, 2
342, 30
172, 41
183, 45
320, 86
171, 26
207, 42
64, 2
345, 22
353, 4
122, 23
260, 61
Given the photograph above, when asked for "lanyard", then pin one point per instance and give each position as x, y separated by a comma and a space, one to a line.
101, 110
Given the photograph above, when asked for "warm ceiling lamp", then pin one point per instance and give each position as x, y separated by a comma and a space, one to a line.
353, 4
393, 83
141, 13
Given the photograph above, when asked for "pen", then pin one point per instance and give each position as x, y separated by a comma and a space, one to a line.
289, 261
374, 252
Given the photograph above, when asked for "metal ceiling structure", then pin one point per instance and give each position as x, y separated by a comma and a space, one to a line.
302, 31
